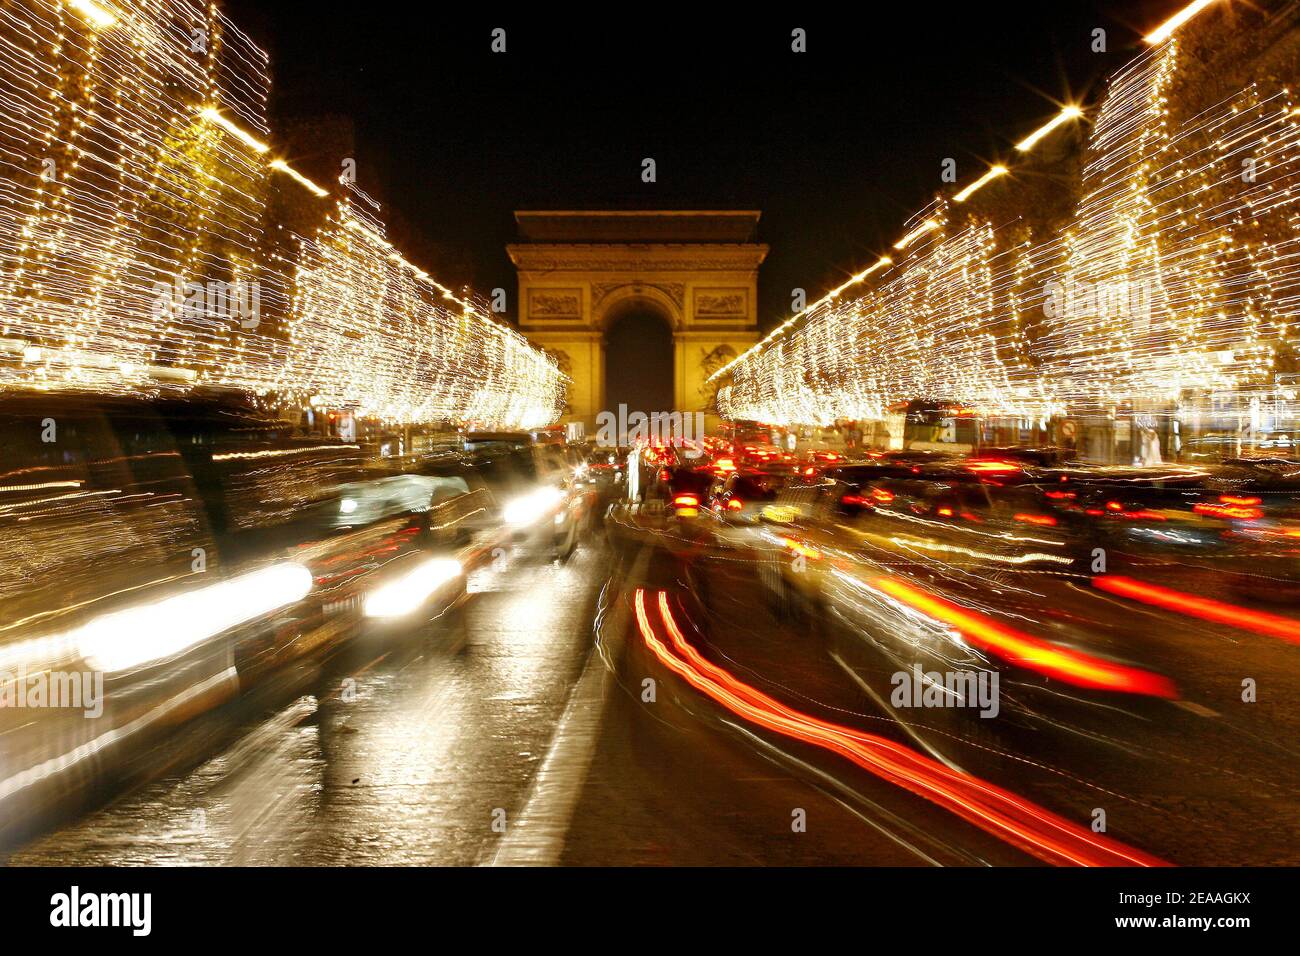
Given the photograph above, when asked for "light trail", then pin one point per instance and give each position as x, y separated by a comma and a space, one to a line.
1177, 277
1207, 609
1007, 816
1025, 650
140, 246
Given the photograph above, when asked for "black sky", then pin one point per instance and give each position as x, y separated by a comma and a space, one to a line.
836, 146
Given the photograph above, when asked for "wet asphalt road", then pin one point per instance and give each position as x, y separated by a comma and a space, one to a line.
429, 752
536, 728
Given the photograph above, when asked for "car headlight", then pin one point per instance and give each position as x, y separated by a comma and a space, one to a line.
347, 506
529, 508
407, 592
145, 633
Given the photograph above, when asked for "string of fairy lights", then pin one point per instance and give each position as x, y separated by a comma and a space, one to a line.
137, 246
1178, 273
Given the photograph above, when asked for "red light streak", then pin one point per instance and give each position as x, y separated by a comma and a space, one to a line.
1232, 512
1261, 622
1036, 519
1000, 812
1239, 500
1025, 650
992, 467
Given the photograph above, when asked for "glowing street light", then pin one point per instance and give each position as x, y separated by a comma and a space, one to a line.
282, 166
212, 115
1067, 113
880, 264
1163, 32
993, 173
928, 226
97, 16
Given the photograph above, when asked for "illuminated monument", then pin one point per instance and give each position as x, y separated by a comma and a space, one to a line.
581, 273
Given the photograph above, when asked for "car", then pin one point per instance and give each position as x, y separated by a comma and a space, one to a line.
537, 491
177, 551
742, 496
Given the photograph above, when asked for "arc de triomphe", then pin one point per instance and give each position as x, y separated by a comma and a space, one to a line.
581, 271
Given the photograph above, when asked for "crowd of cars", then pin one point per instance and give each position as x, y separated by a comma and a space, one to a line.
884, 539
162, 557
1220, 518
1095, 633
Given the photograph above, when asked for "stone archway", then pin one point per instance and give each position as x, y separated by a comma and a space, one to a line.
580, 271
640, 367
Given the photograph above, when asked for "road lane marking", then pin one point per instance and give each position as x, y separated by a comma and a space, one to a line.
1200, 710
536, 837
880, 702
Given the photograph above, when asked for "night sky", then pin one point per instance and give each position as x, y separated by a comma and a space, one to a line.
836, 146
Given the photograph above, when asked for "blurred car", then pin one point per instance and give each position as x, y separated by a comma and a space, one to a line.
687, 489
537, 490
174, 552
742, 496
603, 471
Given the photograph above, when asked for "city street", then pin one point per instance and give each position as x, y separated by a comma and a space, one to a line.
520, 733
517, 713
463, 466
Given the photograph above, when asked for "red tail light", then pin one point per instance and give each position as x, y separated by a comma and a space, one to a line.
1036, 519
992, 467
686, 501
1232, 512
734, 504
945, 512
852, 500
1239, 500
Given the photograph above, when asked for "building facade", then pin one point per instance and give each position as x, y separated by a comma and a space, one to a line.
580, 272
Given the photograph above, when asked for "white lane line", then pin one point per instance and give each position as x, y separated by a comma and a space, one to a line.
1200, 710
880, 702
536, 837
